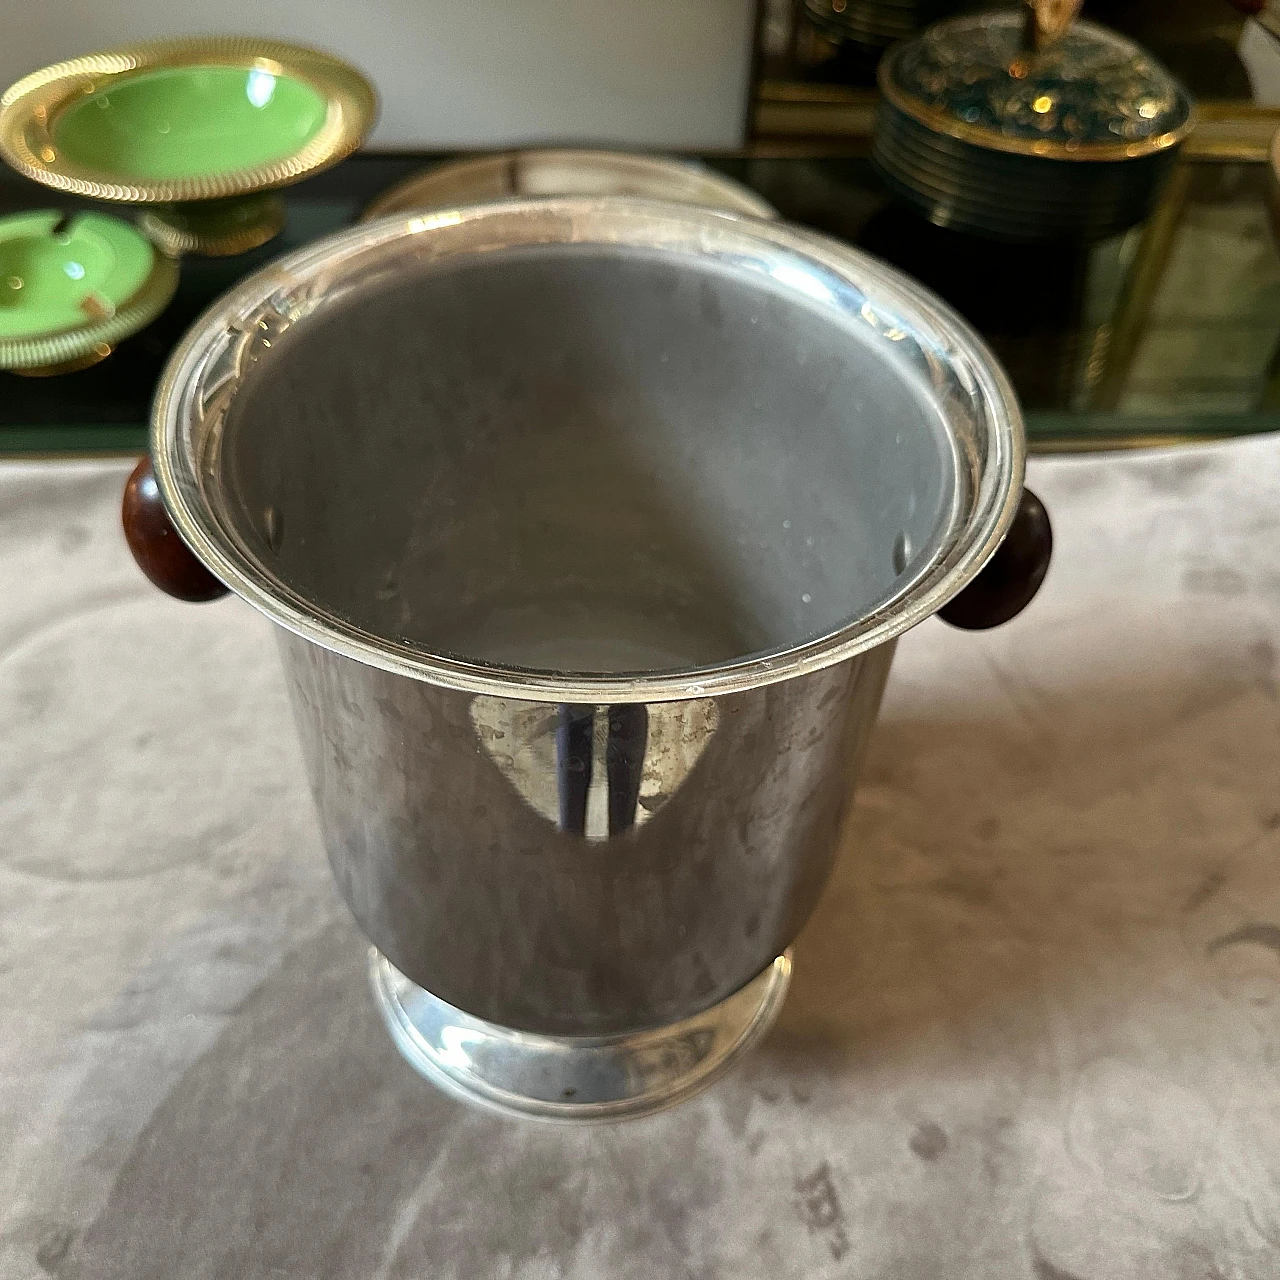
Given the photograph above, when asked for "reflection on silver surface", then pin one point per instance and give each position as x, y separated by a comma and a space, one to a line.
594, 771
557, 172
459, 866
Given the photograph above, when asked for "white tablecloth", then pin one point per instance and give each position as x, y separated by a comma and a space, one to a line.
1035, 1024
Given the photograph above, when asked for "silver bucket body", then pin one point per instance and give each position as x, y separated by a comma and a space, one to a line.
445, 820
590, 525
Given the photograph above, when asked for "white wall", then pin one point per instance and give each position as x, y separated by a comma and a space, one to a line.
648, 73
1259, 50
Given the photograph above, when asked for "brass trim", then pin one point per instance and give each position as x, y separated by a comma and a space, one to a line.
176, 233
1039, 148
61, 352
30, 108
1232, 131
98, 353
1131, 315
785, 109
816, 94
1042, 446
794, 118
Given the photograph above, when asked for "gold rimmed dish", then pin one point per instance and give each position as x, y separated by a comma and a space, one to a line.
180, 124
73, 286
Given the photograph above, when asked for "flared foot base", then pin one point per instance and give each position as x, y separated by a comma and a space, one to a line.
573, 1079
97, 353
215, 228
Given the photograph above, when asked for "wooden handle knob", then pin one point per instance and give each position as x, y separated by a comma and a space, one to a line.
1011, 578
161, 554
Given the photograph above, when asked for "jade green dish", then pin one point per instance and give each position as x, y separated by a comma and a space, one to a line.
179, 125
186, 122
72, 287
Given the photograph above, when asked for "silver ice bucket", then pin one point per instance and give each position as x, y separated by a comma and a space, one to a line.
589, 525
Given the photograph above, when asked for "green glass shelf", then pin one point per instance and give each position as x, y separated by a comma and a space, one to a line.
1168, 334
1046, 433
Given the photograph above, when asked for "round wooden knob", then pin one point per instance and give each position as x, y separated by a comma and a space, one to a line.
161, 554
1011, 578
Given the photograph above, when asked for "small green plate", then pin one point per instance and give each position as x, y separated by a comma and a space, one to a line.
186, 122
70, 287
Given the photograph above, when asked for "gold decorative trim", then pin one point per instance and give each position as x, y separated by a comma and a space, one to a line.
29, 109
177, 233
1232, 131
991, 140
100, 352
79, 347
793, 119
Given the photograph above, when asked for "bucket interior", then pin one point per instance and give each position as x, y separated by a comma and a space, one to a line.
588, 458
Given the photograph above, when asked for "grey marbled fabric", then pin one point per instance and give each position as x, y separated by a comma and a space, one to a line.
1035, 1025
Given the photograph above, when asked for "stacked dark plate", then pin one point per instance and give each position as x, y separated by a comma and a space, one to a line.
872, 24
984, 134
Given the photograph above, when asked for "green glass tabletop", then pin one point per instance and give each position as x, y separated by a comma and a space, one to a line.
185, 122
1168, 333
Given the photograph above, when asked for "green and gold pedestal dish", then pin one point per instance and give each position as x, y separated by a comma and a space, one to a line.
201, 131
71, 287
